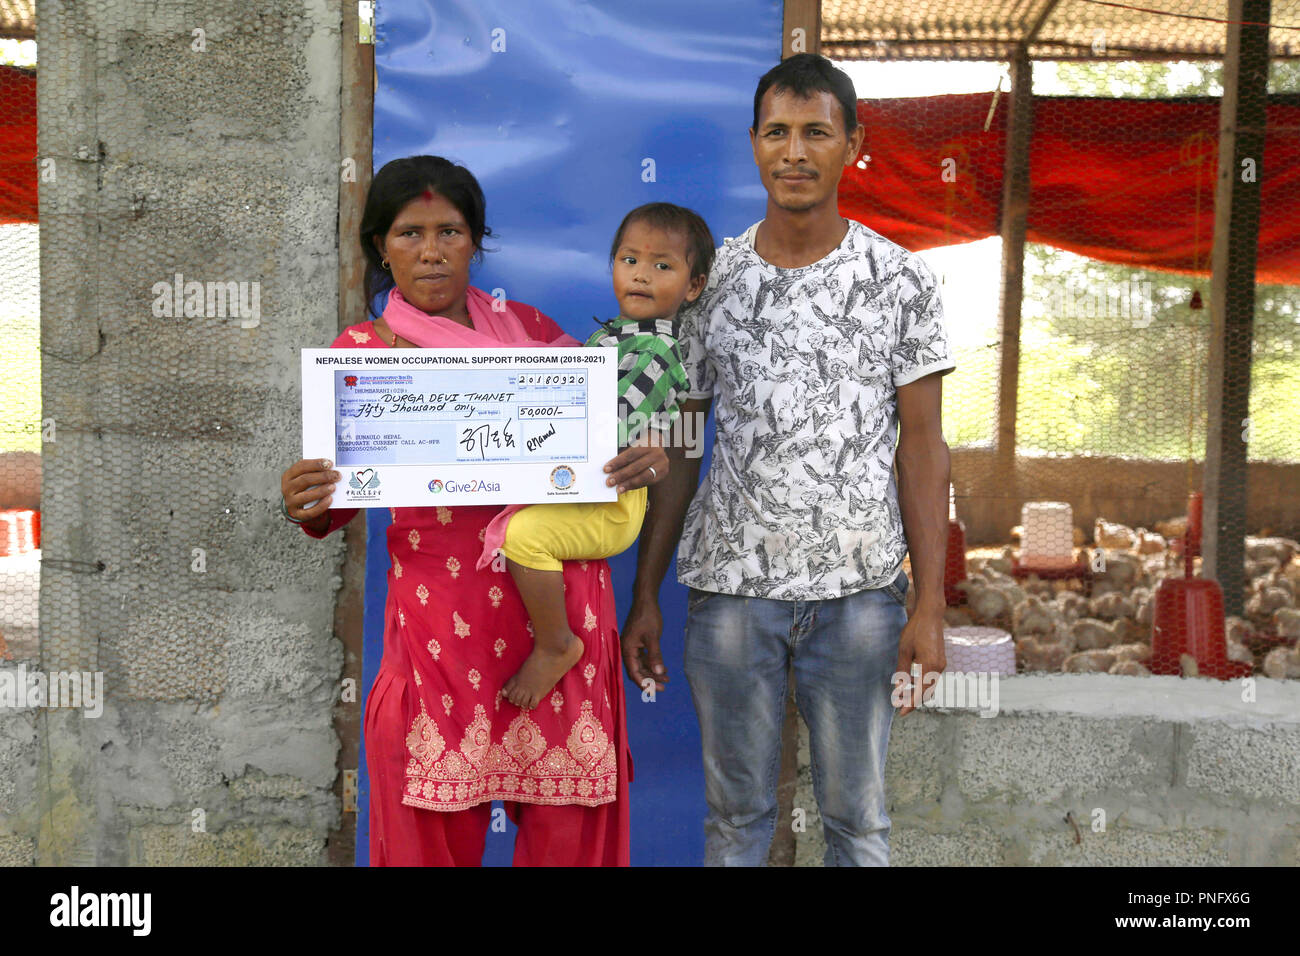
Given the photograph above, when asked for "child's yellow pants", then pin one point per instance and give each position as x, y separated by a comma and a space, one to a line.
541, 536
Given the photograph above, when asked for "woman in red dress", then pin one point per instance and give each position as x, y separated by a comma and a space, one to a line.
441, 740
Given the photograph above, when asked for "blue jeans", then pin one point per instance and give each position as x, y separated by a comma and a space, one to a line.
844, 651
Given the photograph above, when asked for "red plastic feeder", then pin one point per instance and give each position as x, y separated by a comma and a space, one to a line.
954, 565
16, 531
1188, 619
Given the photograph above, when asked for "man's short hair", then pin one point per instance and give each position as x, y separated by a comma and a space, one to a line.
678, 219
805, 74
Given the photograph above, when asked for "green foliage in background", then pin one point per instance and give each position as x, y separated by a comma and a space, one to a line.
1106, 383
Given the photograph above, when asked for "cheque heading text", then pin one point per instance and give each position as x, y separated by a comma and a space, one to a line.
580, 357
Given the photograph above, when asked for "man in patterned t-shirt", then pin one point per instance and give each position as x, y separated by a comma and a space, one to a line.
820, 341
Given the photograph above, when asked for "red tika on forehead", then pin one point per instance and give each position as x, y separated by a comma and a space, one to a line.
427, 195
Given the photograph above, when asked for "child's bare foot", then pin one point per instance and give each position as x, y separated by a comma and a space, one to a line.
541, 672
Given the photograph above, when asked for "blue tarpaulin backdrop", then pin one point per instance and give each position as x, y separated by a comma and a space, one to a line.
570, 114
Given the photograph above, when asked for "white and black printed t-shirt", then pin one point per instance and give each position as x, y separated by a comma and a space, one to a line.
800, 502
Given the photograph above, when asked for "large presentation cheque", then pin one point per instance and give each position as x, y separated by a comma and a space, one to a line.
418, 427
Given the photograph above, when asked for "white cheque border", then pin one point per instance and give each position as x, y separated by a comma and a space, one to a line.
463, 483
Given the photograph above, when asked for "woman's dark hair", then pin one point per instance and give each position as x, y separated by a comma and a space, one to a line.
395, 185
805, 74
670, 218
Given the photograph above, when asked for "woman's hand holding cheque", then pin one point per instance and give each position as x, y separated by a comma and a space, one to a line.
307, 488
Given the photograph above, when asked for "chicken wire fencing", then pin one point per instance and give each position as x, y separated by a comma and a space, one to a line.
20, 366
1079, 414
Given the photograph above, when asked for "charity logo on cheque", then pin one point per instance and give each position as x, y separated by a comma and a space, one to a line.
563, 478
363, 484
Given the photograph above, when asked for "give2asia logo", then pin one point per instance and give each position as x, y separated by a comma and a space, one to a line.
473, 486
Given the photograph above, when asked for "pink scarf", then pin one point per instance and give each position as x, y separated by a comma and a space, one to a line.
495, 326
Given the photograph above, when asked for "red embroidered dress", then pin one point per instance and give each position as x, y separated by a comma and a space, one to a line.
453, 635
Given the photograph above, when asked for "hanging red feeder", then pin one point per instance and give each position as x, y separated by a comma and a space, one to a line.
1188, 621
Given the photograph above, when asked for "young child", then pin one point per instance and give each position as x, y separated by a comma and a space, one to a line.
661, 256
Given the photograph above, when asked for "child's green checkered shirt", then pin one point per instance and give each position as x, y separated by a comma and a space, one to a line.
651, 380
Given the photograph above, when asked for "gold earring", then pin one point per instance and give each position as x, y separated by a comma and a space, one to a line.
384, 263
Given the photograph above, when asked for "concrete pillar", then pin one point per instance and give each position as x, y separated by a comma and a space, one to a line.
1015, 210
1232, 295
199, 142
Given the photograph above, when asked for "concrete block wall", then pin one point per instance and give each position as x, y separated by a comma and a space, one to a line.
1103, 487
1185, 771
19, 757
216, 156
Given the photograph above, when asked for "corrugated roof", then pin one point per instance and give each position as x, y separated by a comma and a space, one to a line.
1053, 29
986, 30
18, 19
